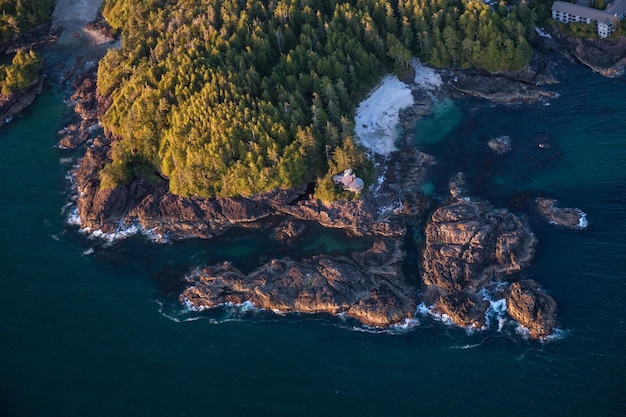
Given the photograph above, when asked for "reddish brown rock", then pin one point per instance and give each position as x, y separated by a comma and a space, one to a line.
463, 308
532, 308
320, 284
470, 243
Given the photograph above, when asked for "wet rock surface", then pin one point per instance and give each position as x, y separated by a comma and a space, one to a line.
500, 145
470, 243
605, 56
532, 308
366, 286
571, 218
506, 87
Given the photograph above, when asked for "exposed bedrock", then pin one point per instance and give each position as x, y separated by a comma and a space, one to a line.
366, 286
506, 87
571, 218
532, 308
605, 56
380, 212
469, 243
468, 246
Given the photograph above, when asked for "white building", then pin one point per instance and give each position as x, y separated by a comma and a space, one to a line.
604, 20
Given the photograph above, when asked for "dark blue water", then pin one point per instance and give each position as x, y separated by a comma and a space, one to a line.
88, 329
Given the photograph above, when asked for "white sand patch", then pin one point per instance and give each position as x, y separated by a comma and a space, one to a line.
377, 117
71, 16
426, 77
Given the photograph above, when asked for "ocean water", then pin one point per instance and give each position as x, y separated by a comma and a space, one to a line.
93, 329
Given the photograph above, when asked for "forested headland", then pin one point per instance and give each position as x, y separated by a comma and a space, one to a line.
238, 97
19, 16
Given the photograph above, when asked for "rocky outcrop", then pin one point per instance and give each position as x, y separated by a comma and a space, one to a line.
571, 218
365, 287
288, 231
532, 308
28, 40
468, 245
506, 87
13, 104
498, 89
605, 56
463, 308
86, 109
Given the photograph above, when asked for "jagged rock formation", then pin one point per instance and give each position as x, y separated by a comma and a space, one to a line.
532, 308
468, 245
85, 107
500, 145
572, 218
367, 287
521, 86
288, 231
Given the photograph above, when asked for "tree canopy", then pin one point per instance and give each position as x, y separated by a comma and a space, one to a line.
237, 97
24, 70
18, 16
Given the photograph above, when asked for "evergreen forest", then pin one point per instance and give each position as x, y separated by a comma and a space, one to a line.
19, 16
238, 97
26, 67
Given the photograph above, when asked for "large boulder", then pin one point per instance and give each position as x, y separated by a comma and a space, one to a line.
366, 287
571, 218
469, 243
532, 308
468, 246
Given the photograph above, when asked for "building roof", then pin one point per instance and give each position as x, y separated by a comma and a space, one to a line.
349, 181
587, 12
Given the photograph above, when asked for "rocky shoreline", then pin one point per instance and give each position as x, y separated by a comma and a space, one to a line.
470, 247
13, 104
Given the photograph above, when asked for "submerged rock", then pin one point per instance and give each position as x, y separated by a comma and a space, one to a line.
288, 231
532, 308
572, 218
366, 287
500, 145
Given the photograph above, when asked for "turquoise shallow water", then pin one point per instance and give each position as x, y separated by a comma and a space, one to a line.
97, 332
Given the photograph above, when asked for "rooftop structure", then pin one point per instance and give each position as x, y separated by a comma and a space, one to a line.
604, 20
349, 181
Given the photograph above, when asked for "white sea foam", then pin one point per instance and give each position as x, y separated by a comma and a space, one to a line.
66, 161
406, 325
557, 334
88, 251
582, 222
468, 346
522, 331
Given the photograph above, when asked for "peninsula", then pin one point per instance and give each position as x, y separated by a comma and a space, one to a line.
217, 116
